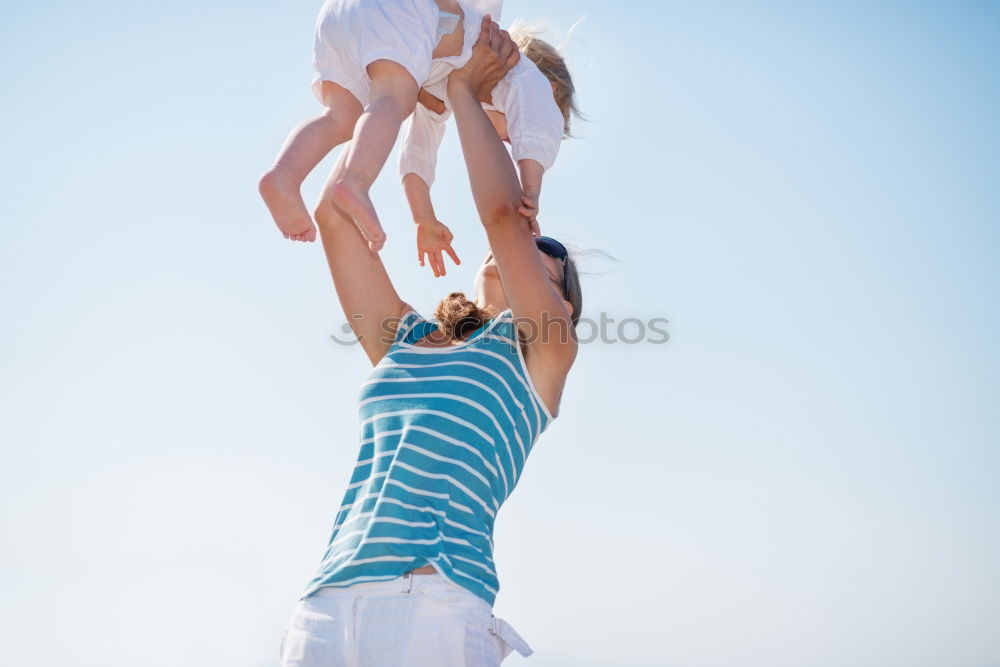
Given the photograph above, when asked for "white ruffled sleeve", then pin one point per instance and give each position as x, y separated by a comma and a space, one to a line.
534, 121
491, 7
422, 135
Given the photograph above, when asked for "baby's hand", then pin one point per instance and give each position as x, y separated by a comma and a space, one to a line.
431, 102
529, 209
433, 238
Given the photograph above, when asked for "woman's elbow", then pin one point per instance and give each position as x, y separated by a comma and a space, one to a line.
502, 212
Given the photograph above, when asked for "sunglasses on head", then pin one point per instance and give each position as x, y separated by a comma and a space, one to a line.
556, 250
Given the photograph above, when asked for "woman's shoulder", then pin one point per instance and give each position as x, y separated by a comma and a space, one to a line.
411, 325
502, 328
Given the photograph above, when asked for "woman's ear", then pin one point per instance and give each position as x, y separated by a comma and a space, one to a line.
569, 307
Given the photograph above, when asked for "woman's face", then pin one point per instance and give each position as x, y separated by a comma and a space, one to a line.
489, 289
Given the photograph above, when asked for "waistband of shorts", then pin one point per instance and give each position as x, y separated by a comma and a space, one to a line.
434, 585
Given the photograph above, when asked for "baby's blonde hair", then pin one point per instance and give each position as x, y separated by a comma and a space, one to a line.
551, 63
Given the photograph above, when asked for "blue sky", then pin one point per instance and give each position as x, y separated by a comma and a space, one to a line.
805, 475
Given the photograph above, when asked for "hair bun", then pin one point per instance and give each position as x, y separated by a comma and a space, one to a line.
457, 317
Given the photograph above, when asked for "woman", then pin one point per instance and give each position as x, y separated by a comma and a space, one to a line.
449, 415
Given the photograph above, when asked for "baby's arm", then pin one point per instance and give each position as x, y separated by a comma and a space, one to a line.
531, 172
418, 196
422, 135
433, 237
535, 127
417, 162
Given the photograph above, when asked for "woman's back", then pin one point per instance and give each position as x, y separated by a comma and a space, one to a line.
445, 433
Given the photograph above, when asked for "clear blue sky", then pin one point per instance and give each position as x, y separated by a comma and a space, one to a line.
806, 475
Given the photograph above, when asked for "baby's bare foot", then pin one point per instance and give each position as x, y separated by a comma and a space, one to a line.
354, 201
284, 201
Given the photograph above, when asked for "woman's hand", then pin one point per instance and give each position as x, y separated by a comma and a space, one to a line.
493, 55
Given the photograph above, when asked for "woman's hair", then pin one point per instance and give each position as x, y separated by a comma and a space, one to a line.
457, 317
574, 292
552, 64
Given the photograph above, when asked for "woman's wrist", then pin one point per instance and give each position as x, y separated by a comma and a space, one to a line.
458, 82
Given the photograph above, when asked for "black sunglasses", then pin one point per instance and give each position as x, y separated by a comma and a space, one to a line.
556, 250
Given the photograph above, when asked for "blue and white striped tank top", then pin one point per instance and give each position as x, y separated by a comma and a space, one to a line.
445, 433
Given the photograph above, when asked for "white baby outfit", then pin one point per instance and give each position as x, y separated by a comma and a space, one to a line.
352, 34
535, 123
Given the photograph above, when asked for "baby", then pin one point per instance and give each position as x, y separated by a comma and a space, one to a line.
371, 56
530, 109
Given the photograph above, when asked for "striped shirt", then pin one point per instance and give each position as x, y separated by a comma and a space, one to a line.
445, 433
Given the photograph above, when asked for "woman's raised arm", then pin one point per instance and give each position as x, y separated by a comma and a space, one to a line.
541, 312
370, 302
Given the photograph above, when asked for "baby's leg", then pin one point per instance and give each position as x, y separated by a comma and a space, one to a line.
393, 96
305, 147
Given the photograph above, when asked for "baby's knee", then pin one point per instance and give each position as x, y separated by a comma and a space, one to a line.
393, 84
338, 123
339, 100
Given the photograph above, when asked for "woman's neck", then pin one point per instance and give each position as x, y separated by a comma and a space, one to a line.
491, 302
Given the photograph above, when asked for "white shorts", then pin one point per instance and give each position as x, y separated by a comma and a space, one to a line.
352, 34
418, 620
